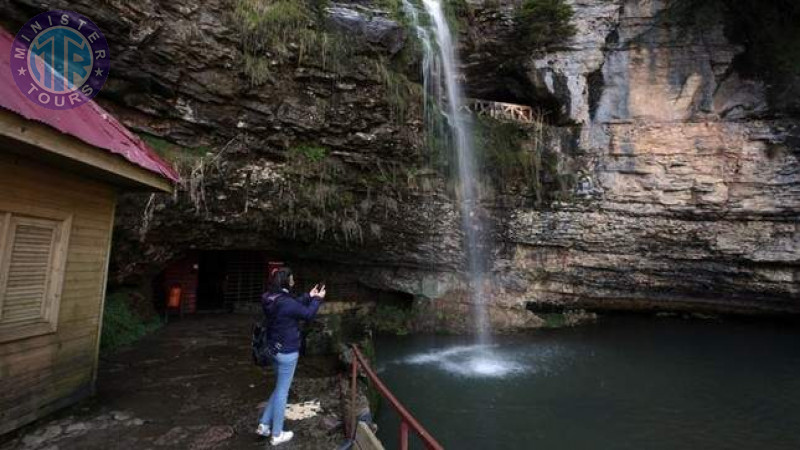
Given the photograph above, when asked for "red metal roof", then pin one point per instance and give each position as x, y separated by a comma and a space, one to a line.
90, 123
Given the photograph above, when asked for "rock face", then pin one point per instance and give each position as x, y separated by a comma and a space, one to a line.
687, 192
316, 160
696, 182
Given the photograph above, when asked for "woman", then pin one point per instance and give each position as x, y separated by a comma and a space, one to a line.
283, 334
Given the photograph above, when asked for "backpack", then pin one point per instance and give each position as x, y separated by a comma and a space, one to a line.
263, 353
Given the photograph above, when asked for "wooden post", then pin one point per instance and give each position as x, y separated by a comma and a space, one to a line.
103, 292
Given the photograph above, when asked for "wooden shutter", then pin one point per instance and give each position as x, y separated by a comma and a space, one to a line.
25, 291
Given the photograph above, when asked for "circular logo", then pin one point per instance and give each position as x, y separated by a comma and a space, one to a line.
60, 60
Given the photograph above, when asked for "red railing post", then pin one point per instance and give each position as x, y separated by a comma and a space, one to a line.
353, 388
406, 419
403, 435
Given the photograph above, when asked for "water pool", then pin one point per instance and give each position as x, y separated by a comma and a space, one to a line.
622, 383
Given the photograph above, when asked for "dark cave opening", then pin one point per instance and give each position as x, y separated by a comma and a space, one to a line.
510, 83
234, 280
595, 85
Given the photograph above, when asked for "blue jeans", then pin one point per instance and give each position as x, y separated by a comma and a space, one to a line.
284, 364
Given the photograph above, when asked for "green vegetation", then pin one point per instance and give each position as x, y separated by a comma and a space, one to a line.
458, 13
312, 197
274, 31
542, 23
504, 157
517, 159
553, 320
257, 69
394, 8
311, 152
277, 29
127, 317
390, 319
401, 94
181, 157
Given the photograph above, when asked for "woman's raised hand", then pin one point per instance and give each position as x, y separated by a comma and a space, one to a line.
317, 291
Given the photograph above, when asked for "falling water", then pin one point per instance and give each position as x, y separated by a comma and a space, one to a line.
444, 95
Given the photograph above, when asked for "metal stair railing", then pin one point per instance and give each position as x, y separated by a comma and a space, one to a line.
407, 421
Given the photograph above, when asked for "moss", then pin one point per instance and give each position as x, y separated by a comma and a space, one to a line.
390, 319
257, 69
542, 23
501, 143
394, 8
553, 320
516, 159
125, 320
458, 13
402, 95
180, 156
277, 29
309, 151
315, 197
269, 23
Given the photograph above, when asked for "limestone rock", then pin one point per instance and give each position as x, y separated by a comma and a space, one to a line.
369, 24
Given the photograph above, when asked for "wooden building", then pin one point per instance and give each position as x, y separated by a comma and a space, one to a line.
60, 172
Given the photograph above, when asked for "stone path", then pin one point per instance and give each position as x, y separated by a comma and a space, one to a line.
191, 385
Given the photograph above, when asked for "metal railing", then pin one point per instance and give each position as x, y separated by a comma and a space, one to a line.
501, 111
406, 419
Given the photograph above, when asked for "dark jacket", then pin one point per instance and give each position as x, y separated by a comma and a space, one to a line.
283, 312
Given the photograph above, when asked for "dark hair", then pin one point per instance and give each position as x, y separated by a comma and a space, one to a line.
279, 279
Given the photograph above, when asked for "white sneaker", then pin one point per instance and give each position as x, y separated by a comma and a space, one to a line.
263, 430
285, 436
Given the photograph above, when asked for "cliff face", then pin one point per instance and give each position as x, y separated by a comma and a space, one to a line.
690, 199
300, 137
685, 187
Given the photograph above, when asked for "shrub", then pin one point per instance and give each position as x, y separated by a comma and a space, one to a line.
542, 23
312, 152
127, 317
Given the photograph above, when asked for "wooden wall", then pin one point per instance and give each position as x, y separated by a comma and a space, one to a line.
43, 373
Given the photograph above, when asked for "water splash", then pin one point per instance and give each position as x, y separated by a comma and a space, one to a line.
474, 361
443, 94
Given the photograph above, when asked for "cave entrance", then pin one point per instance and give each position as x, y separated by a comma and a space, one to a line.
233, 281
211, 281
510, 83
215, 280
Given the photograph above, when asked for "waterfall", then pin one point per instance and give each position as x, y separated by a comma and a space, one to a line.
445, 95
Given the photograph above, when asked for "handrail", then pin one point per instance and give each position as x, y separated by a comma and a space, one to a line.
406, 419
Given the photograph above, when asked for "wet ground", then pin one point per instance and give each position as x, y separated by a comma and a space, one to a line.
191, 385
